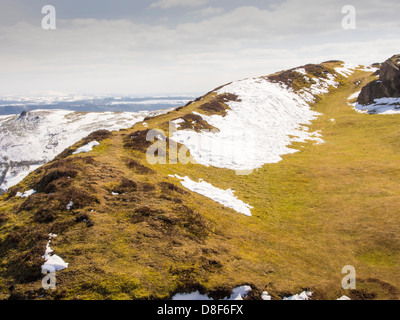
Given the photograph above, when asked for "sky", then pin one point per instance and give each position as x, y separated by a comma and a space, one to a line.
167, 47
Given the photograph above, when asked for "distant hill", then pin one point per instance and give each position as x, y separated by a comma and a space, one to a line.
33, 138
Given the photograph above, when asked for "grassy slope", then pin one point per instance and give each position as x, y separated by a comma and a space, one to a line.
316, 211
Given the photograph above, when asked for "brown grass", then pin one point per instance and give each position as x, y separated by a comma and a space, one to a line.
218, 105
167, 187
137, 141
125, 186
137, 167
297, 81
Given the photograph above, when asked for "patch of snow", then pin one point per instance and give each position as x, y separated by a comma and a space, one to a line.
317, 137
344, 298
237, 294
69, 205
16, 175
305, 295
52, 261
26, 194
256, 130
114, 193
87, 147
320, 87
266, 296
224, 197
43, 134
347, 69
178, 122
354, 95
301, 71
385, 106
191, 296
369, 69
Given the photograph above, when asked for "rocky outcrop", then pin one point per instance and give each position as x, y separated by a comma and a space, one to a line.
388, 84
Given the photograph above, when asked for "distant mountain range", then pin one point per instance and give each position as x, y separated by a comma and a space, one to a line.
34, 130
16, 105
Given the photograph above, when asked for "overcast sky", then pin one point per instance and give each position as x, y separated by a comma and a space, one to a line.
181, 46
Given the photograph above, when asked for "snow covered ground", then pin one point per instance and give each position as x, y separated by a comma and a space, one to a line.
380, 106
43, 134
237, 294
369, 69
265, 296
26, 194
347, 69
87, 147
224, 197
16, 174
52, 262
305, 295
260, 126
32, 139
354, 95
193, 296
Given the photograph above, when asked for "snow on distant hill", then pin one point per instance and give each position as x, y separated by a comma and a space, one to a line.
33, 138
16, 104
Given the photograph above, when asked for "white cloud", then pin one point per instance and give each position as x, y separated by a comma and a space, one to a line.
166, 4
120, 56
209, 11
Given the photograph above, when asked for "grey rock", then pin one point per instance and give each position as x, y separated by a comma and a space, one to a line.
388, 84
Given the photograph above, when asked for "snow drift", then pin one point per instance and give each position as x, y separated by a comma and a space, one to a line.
261, 124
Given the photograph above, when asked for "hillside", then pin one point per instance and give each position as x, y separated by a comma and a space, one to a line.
33, 138
318, 180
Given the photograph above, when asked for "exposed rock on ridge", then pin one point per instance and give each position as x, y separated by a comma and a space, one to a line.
388, 84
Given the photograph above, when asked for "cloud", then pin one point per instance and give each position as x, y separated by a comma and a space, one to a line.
209, 11
166, 4
124, 56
